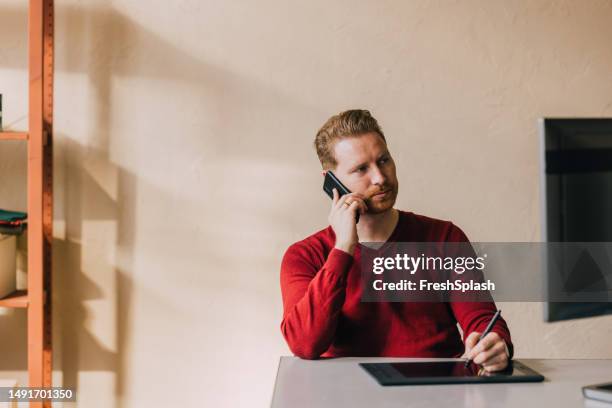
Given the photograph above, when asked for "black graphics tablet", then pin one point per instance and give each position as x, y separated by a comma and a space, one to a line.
447, 372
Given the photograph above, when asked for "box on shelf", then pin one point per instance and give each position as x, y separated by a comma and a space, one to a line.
8, 265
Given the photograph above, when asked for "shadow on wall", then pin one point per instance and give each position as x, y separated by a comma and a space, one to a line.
88, 201
96, 43
96, 198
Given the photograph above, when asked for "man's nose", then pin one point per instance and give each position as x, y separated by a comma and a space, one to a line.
377, 176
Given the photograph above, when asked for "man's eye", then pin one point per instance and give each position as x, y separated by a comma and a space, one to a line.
384, 160
361, 169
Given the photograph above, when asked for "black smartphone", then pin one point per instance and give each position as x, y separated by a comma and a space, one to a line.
331, 182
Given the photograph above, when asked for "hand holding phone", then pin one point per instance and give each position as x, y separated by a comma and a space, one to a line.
344, 213
330, 182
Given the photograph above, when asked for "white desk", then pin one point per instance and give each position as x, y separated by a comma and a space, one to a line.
342, 383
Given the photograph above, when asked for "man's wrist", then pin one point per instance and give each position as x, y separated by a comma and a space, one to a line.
348, 248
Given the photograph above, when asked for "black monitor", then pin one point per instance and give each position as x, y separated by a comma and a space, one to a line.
576, 177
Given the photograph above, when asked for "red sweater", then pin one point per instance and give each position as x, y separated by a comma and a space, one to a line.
323, 315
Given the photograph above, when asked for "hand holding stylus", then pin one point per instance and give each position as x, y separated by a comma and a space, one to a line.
487, 349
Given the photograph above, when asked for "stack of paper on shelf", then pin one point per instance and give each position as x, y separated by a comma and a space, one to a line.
12, 222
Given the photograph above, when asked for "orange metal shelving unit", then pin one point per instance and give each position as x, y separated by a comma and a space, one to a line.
39, 137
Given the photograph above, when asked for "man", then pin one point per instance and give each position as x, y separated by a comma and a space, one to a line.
320, 277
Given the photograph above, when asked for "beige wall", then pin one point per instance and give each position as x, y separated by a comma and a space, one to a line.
184, 165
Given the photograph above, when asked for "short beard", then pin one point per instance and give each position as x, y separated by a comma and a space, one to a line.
388, 205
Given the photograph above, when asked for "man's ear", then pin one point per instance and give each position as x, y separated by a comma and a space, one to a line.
323, 172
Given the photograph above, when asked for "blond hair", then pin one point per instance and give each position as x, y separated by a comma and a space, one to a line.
350, 123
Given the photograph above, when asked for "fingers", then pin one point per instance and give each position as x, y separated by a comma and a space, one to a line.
340, 200
361, 205
489, 352
497, 363
347, 201
471, 341
491, 355
335, 198
484, 344
359, 198
354, 207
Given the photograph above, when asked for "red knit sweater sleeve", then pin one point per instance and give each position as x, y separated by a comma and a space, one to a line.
475, 316
312, 298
